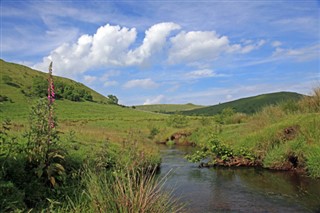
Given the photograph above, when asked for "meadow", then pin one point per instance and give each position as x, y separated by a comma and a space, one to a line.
103, 157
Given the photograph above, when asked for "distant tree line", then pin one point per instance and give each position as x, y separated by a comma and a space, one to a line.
62, 90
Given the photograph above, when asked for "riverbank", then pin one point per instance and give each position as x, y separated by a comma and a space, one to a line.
225, 189
283, 137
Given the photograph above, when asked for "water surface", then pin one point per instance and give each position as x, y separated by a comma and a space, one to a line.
239, 189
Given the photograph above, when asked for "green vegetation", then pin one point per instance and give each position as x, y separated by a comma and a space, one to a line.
44, 166
98, 157
167, 108
275, 138
247, 105
19, 83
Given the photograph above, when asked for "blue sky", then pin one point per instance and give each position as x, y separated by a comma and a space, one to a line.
147, 52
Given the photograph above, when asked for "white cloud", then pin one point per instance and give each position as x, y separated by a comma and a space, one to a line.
154, 41
89, 79
195, 46
109, 46
250, 47
110, 83
298, 54
156, 100
204, 73
142, 83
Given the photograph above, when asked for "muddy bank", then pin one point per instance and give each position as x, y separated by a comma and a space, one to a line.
179, 138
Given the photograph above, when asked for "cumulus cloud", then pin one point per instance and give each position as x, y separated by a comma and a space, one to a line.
142, 83
155, 39
196, 46
106, 47
156, 100
109, 46
204, 73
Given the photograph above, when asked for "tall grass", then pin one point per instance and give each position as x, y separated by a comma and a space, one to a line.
311, 103
313, 161
128, 191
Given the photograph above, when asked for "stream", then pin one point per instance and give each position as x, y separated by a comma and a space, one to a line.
236, 189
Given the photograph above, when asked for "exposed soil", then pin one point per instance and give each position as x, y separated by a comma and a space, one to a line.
232, 162
179, 138
290, 133
292, 163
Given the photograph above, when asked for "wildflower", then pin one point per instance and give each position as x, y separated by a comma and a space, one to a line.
51, 96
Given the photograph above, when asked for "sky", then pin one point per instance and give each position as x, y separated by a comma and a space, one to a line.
151, 52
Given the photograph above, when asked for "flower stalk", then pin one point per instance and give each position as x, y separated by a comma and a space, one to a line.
51, 96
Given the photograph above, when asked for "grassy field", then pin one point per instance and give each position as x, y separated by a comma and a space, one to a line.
167, 108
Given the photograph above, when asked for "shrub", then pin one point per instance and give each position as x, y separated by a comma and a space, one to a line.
153, 132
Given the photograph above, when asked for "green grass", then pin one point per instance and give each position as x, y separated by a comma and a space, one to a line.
22, 78
247, 105
168, 108
265, 137
105, 135
129, 191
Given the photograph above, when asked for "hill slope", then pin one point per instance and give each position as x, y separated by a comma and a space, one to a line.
168, 108
247, 105
92, 120
19, 82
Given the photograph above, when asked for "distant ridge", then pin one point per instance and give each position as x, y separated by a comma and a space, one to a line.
168, 108
247, 105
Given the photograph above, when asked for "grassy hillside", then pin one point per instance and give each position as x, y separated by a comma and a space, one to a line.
168, 108
18, 82
247, 105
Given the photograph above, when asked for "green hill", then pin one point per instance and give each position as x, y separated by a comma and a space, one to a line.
93, 120
246, 105
168, 108
19, 83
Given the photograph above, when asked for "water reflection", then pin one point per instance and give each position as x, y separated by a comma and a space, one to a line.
237, 190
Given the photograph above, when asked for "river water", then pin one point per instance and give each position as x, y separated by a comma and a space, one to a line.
236, 189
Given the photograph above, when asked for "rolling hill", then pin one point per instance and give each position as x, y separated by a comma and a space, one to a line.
20, 82
93, 120
168, 108
246, 105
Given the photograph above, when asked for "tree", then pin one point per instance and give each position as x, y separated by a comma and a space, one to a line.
113, 99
